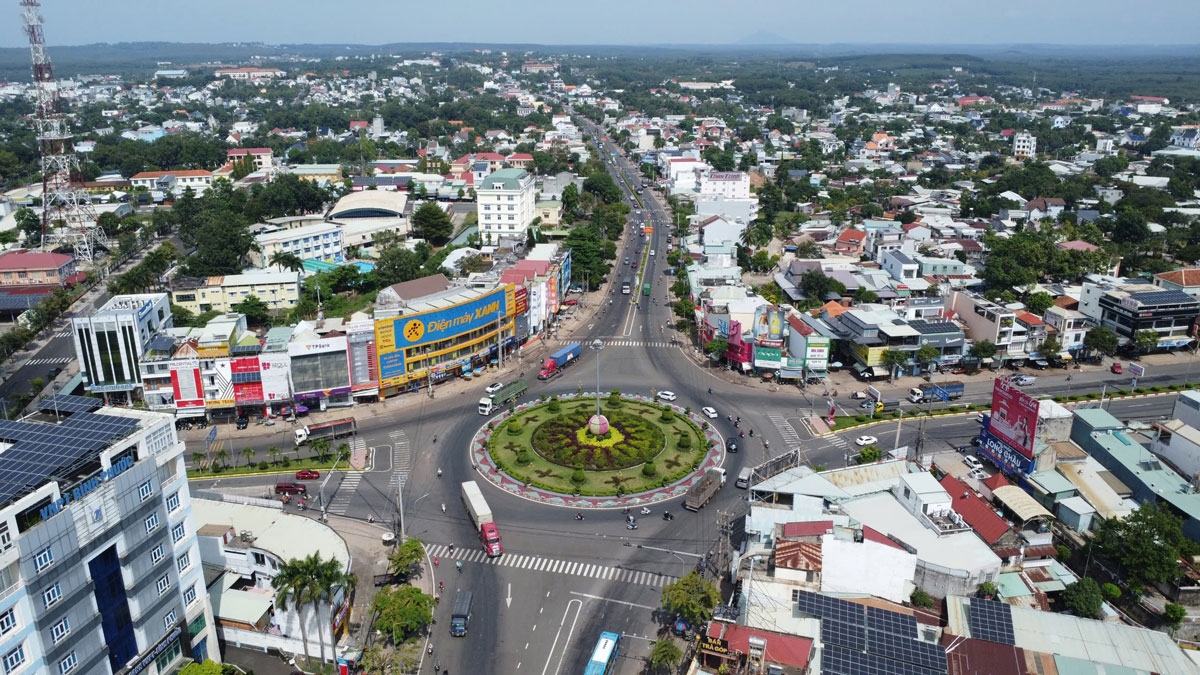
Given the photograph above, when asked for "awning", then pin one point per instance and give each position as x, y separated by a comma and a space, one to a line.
859, 367
1020, 503
879, 371
746, 366
985, 362
188, 413
790, 373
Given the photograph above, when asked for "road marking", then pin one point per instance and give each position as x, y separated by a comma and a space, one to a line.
538, 564
54, 361
578, 606
624, 343
62, 334
785, 429
619, 602
401, 458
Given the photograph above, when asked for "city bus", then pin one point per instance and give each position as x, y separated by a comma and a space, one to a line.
626, 286
604, 656
645, 289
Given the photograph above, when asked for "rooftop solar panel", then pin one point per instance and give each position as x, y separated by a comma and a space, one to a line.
162, 343
837, 660
847, 635
67, 403
1162, 297
991, 621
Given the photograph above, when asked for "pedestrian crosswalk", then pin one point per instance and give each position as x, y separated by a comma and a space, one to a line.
401, 458
536, 563
348, 484
54, 361
838, 442
790, 438
62, 334
625, 343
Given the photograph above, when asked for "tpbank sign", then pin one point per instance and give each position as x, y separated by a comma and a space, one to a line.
393, 336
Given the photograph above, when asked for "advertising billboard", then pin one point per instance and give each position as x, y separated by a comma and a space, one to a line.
222, 395
274, 369
816, 352
247, 382
393, 336
333, 344
185, 384
1009, 460
1014, 417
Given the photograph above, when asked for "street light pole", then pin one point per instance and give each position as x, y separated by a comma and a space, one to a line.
598, 346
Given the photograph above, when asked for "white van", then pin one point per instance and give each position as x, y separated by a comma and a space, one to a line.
743, 479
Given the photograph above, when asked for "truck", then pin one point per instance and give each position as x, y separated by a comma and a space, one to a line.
559, 360
703, 491
460, 617
929, 391
886, 406
509, 393
329, 430
481, 516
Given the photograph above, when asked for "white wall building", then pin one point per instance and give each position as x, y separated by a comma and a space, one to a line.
322, 241
727, 184
506, 205
109, 343
1024, 145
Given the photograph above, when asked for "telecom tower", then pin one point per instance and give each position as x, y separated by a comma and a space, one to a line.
68, 218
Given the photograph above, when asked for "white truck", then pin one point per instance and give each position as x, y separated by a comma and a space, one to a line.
481, 516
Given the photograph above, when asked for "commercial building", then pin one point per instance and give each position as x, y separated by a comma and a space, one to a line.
264, 158
174, 182
319, 241
101, 571
427, 330
109, 344
246, 546
1128, 310
726, 184
1071, 325
279, 290
29, 268
986, 320
320, 366
506, 205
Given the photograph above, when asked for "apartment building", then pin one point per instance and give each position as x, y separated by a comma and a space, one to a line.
110, 343
506, 205
985, 320
99, 561
727, 184
1024, 145
321, 241
264, 158
280, 290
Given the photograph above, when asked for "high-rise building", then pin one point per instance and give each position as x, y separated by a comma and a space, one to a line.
110, 343
505, 200
99, 563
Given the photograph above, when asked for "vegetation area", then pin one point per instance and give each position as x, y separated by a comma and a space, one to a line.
549, 447
308, 584
222, 461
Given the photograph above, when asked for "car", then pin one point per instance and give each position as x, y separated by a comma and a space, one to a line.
494, 387
308, 474
972, 462
651, 251
572, 301
979, 417
858, 395
1041, 364
627, 261
709, 412
1117, 369
730, 445
576, 289
243, 422
634, 265
666, 396
977, 474
290, 488
1024, 380
865, 440
867, 404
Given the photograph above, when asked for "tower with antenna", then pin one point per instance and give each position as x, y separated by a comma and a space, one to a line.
68, 219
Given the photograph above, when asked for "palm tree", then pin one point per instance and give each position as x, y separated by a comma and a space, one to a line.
222, 456
291, 586
320, 448
325, 578
273, 452
343, 451
288, 261
198, 459
248, 453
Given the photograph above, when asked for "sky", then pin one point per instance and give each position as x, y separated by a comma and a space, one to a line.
614, 22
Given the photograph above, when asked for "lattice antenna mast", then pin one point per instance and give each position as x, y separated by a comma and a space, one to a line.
67, 214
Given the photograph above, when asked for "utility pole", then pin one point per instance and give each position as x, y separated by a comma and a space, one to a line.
724, 529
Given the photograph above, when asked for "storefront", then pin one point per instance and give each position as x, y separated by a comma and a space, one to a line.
321, 372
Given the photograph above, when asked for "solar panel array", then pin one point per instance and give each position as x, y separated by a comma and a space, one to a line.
69, 403
992, 621
41, 451
1163, 297
862, 640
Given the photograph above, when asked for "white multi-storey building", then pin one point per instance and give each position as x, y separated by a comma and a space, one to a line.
109, 343
99, 563
1024, 145
322, 241
506, 204
727, 184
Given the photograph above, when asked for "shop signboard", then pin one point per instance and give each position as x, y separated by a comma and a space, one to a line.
186, 384
393, 336
1014, 417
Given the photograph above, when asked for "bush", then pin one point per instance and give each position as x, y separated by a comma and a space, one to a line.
513, 428
649, 470
263, 466
684, 442
860, 418
554, 406
578, 476
1083, 598
1064, 553
524, 457
285, 462
921, 599
1111, 592
667, 415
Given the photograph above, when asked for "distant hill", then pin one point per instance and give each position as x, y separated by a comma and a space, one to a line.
763, 37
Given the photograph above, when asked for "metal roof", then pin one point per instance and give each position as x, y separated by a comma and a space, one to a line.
1020, 503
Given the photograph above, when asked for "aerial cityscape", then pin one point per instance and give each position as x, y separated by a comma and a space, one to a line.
629, 339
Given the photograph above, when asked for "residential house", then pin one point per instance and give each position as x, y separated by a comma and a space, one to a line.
850, 242
1070, 325
1186, 279
30, 268
986, 320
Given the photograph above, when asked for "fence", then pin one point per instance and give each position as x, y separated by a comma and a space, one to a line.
238, 499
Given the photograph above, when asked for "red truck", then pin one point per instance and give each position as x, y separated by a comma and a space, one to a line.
560, 359
481, 516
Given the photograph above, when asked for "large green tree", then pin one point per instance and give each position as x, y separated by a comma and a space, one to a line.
1102, 340
1037, 303
1146, 340
692, 597
665, 655
30, 223
402, 611
1083, 598
1146, 545
314, 582
431, 223
983, 349
397, 265
600, 183
256, 311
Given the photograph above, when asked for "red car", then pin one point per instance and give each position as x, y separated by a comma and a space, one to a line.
307, 474
572, 301
1117, 369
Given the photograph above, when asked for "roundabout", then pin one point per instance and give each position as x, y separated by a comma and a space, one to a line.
591, 451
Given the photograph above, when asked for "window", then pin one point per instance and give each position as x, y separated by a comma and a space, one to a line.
169, 619
183, 562
60, 630
145, 490
43, 559
151, 522
8, 621
156, 554
163, 584
168, 657
51, 596
172, 502
178, 532
189, 596
14, 659
68, 664
5, 537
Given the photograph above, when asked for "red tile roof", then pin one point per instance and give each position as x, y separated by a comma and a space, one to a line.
870, 534
798, 555
786, 650
1186, 277
28, 260
188, 173
989, 526
799, 326
1029, 319
808, 528
1077, 245
852, 236
996, 480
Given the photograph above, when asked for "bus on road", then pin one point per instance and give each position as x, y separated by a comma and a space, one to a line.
626, 286
604, 656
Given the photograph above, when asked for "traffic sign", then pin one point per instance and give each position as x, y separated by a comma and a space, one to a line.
1137, 370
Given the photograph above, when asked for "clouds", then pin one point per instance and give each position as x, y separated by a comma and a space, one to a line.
695, 22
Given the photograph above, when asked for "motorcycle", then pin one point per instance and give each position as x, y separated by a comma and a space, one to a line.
741, 434
667, 515
645, 511
578, 516
631, 526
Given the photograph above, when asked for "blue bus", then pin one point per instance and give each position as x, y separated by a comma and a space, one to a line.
604, 656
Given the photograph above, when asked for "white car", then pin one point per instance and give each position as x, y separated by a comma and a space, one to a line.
710, 413
972, 462
494, 387
651, 251
666, 396
865, 440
